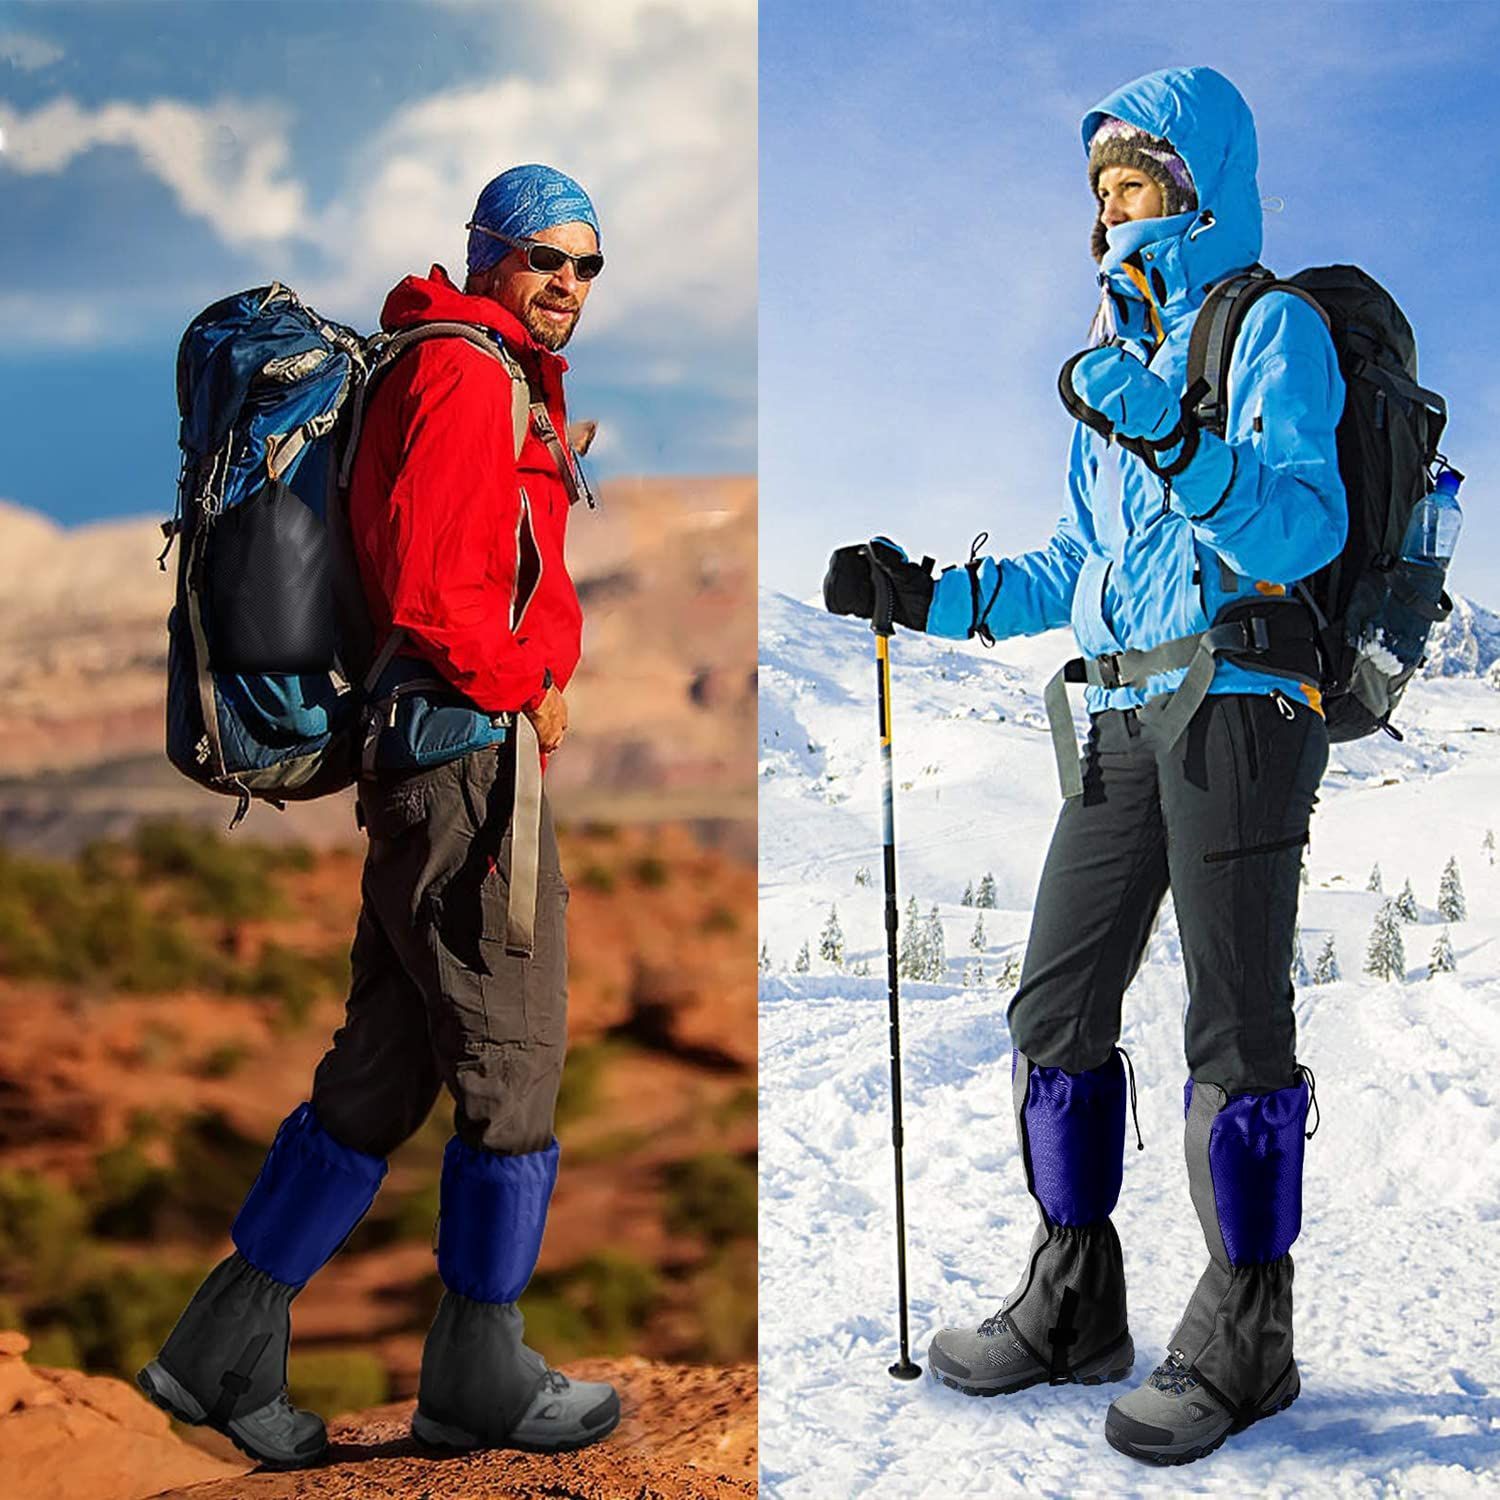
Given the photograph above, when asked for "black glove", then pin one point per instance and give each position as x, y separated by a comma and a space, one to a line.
849, 588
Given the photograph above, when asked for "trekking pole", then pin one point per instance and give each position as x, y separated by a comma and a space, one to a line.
881, 623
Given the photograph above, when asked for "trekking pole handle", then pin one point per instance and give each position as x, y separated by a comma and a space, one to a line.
882, 621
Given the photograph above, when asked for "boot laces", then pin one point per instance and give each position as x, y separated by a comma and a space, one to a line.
555, 1382
1174, 1375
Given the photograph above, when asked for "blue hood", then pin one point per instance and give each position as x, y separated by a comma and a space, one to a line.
1210, 126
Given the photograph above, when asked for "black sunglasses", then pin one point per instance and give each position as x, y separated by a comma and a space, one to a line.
548, 260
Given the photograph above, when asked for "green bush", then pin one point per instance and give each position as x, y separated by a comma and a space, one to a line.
223, 1061
725, 1295
598, 1306
57, 922
40, 1224
651, 870
720, 918
596, 877
128, 1195
55, 1348
213, 1167
578, 1093
118, 1315
292, 979
333, 1381
217, 876
712, 1196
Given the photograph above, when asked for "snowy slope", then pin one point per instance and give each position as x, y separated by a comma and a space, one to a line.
1399, 1259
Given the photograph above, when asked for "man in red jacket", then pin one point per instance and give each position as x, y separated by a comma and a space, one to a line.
458, 506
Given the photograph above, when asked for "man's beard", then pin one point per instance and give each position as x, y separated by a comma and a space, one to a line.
548, 334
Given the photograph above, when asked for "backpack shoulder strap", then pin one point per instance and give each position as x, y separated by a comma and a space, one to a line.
397, 345
1211, 346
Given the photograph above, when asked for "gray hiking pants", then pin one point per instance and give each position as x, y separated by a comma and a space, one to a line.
435, 1000
1221, 820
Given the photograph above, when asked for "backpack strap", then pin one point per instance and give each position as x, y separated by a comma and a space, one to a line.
394, 347
1268, 635
1211, 345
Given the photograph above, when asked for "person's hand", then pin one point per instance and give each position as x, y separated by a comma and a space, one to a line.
1115, 394
849, 589
550, 720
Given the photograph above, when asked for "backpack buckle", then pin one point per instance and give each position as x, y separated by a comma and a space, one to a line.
1109, 671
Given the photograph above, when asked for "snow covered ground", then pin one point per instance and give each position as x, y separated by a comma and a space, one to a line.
1398, 1264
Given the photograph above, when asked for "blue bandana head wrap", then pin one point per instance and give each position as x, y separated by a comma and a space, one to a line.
521, 203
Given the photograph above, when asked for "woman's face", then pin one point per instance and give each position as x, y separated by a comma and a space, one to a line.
1128, 193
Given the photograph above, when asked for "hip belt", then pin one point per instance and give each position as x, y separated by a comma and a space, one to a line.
1275, 636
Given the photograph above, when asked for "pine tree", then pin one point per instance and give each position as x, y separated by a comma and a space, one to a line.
1010, 972
1300, 976
967, 899
975, 966
804, 961
937, 953
862, 968
1442, 960
910, 961
765, 959
1385, 958
986, 893
1374, 883
831, 942
862, 875
1327, 970
1450, 903
1489, 845
1406, 904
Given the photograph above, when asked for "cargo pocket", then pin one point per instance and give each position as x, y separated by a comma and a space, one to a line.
523, 999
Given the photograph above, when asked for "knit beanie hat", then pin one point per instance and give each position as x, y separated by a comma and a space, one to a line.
1117, 143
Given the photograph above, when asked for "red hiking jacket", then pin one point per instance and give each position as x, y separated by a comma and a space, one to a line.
436, 511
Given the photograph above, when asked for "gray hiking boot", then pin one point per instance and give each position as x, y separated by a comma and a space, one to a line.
1064, 1324
1174, 1418
994, 1361
224, 1366
481, 1387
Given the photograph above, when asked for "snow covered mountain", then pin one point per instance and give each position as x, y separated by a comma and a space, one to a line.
1399, 1259
1466, 644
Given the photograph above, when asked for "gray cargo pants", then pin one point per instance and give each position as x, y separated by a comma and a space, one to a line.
1221, 819
435, 999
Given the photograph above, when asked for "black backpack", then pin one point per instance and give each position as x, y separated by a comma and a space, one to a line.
1387, 448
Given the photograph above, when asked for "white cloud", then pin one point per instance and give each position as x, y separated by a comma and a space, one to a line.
28, 52
227, 163
651, 105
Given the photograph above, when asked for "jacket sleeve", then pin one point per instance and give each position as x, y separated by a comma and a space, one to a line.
1270, 500
455, 516
1035, 589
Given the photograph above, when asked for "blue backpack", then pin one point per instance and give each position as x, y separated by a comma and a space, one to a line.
272, 670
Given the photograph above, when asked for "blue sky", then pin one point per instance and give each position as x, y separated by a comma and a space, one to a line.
924, 239
157, 156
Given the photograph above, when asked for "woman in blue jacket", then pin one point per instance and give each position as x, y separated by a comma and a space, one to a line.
1198, 777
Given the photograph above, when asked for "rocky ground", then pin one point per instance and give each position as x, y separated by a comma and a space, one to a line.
688, 1433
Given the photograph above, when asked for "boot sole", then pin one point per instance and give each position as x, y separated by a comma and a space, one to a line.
1112, 1366
160, 1389
434, 1434
1122, 1444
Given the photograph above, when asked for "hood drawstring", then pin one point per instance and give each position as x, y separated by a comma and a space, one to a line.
1312, 1088
1140, 1144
